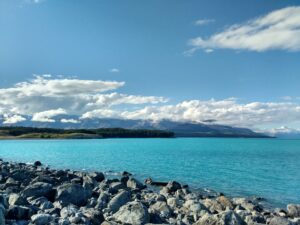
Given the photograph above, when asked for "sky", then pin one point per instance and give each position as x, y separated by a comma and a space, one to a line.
236, 62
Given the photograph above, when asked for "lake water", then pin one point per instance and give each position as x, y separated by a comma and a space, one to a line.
268, 168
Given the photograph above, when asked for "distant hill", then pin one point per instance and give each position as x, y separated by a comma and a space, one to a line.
49, 133
181, 129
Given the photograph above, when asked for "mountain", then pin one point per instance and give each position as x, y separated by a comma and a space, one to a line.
181, 129
284, 133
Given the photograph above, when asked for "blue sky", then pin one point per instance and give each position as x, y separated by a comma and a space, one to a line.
146, 43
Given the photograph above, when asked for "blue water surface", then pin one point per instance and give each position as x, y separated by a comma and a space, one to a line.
268, 168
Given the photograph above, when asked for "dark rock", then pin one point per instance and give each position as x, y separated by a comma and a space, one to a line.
98, 176
125, 173
19, 212
72, 194
38, 189
173, 186
37, 163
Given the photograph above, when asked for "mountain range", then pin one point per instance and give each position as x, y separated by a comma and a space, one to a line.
181, 129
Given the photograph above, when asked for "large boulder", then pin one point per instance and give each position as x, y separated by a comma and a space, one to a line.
72, 194
38, 189
293, 210
119, 200
134, 213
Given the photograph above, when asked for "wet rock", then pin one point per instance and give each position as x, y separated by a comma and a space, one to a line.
134, 213
119, 200
293, 210
72, 194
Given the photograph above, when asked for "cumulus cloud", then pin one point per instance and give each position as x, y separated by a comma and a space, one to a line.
69, 121
227, 111
42, 94
44, 98
12, 119
202, 22
47, 116
278, 30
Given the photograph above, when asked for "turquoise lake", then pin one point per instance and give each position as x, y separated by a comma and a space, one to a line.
268, 168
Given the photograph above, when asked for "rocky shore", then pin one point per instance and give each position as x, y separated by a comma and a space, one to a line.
33, 194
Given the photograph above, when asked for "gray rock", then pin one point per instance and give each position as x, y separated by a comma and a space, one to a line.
224, 218
119, 200
135, 184
232, 218
16, 199
279, 221
41, 219
161, 208
37, 189
293, 210
94, 216
68, 211
72, 194
134, 213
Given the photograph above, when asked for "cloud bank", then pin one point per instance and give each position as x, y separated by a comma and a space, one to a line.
44, 98
278, 30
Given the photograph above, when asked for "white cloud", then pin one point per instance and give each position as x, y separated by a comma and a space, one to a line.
69, 121
46, 116
12, 119
202, 22
44, 93
278, 30
44, 98
114, 70
227, 111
